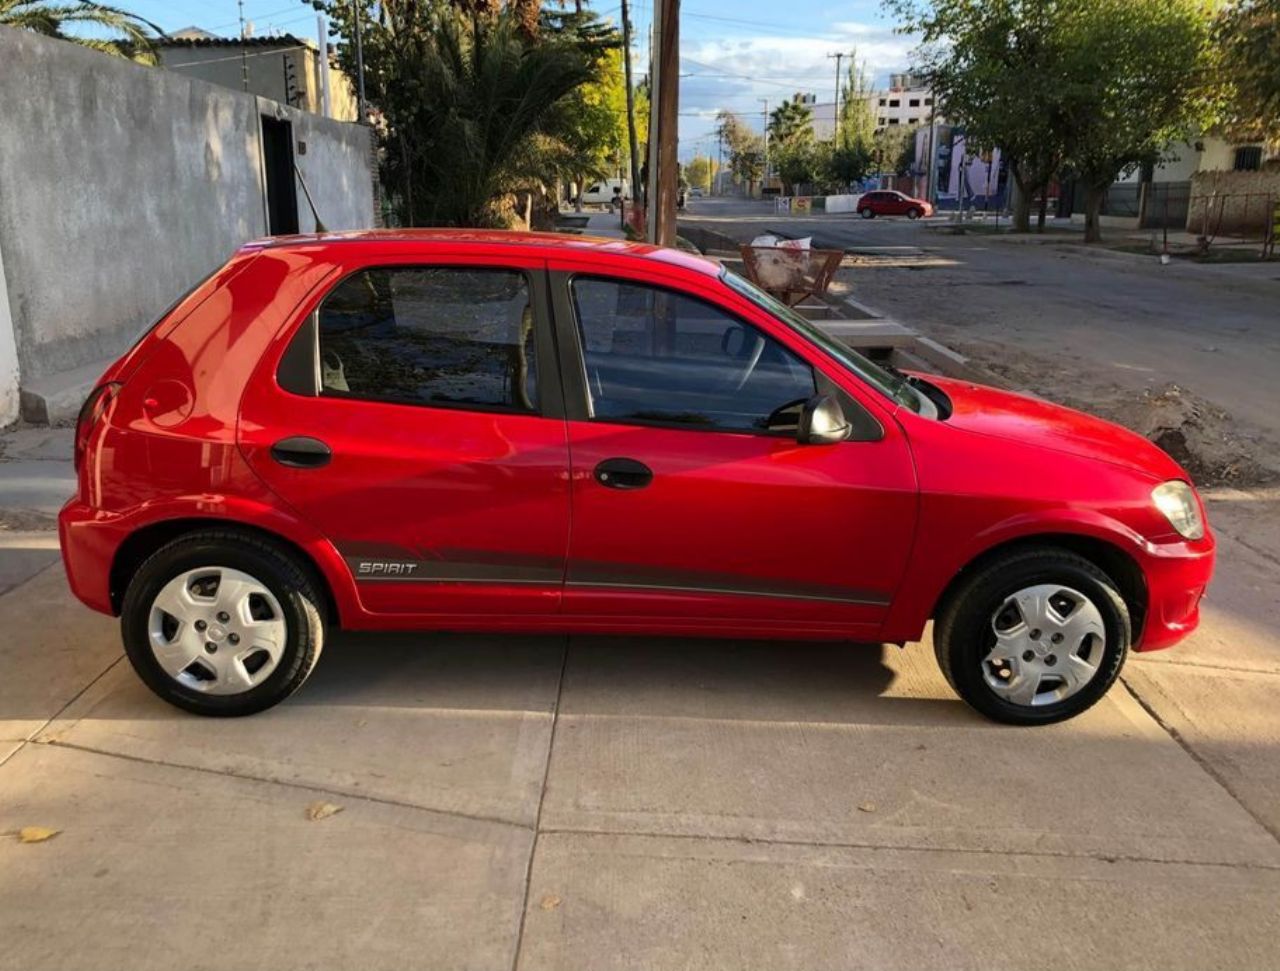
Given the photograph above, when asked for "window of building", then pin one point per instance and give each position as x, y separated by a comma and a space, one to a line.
882, 102
928, 102
430, 336
893, 121
913, 103
882, 122
1248, 158
894, 102
653, 356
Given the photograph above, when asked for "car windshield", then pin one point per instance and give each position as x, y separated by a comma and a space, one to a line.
892, 386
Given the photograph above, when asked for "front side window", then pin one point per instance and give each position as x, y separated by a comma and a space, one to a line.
653, 356
431, 336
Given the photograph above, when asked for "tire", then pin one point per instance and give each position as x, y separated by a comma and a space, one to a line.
281, 612
914, 214
965, 636
867, 213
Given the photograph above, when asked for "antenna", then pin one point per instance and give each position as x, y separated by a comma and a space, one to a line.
244, 51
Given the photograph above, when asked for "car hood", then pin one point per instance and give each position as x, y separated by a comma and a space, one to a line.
1034, 421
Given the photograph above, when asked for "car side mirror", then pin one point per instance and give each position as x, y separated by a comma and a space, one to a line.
822, 422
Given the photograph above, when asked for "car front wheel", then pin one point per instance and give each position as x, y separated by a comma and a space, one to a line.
914, 214
866, 212
1035, 637
222, 622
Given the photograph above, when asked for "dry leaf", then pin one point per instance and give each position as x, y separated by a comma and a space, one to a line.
322, 810
866, 807
36, 834
550, 902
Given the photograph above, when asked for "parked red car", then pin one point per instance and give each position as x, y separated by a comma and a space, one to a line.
890, 202
452, 430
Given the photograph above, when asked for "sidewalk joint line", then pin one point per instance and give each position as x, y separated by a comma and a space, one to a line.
34, 734
288, 784
1197, 758
542, 798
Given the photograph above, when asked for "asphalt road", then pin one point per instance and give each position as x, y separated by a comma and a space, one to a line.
1106, 317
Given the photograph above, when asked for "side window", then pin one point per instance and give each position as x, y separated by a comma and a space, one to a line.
654, 356
430, 336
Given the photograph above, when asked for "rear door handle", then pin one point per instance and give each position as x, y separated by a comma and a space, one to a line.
301, 452
623, 474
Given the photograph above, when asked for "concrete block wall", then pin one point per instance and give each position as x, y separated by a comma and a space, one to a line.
122, 185
1233, 203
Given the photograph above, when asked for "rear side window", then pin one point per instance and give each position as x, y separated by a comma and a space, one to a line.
655, 356
453, 336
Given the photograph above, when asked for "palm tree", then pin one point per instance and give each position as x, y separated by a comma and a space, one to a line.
475, 113
52, 19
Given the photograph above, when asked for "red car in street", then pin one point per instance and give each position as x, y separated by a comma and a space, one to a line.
487, 431
890, 202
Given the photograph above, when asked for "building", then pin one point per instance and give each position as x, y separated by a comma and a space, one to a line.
285, 68
907, 101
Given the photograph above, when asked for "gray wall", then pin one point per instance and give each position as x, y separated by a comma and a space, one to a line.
122, 185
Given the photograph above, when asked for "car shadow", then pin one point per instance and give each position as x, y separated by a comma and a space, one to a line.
782, 681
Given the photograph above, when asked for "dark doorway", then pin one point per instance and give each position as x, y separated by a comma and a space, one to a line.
277, 156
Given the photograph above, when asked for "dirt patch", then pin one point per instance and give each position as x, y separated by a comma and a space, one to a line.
1201, 437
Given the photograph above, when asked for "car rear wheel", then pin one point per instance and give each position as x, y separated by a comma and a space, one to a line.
222, 622
1035, 637
914, 214
866, 212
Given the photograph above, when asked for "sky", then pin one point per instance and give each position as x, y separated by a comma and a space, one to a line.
731, 55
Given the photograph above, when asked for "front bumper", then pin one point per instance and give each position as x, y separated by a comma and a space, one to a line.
1177, 576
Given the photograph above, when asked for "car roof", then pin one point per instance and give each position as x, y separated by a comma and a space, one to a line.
563, 244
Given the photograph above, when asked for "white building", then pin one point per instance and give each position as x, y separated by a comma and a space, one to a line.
907, 101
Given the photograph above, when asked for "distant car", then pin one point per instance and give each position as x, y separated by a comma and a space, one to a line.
606, 192
696, 192
890, 202
461, 430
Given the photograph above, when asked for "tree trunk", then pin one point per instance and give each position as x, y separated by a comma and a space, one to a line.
1044, 207
1022, 207
631, 104
577, 205
1093, 196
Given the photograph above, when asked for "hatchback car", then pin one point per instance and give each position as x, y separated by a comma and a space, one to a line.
466, 431
890, 202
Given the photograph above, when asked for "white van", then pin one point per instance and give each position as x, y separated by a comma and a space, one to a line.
602, 193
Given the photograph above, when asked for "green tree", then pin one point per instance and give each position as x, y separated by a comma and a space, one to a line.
136, 35
894, 149
701, 171
745, 147
593, 121
998, 68
797, 161
791, 119
470, 100
857, 112
1248, 32
1135, 83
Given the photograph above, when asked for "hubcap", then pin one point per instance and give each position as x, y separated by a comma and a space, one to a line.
217, 630
1049, 642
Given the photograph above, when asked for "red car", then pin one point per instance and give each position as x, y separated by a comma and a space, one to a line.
890, 202
466, 431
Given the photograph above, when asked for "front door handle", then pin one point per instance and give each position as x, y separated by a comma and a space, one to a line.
301, 452
623, 474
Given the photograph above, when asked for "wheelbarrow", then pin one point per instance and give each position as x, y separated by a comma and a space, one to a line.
791, 274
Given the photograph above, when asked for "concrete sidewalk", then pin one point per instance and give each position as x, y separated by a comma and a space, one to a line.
604, 803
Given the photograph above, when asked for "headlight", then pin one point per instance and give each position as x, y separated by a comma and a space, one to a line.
1177, 501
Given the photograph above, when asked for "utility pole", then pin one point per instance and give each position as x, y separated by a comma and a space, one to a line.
360, 101
244, 51
719, 160
322, 35
766, 144
664, 170
631, 106
838, 55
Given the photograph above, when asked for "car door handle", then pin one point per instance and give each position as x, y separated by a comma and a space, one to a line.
623, 474
301, 452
